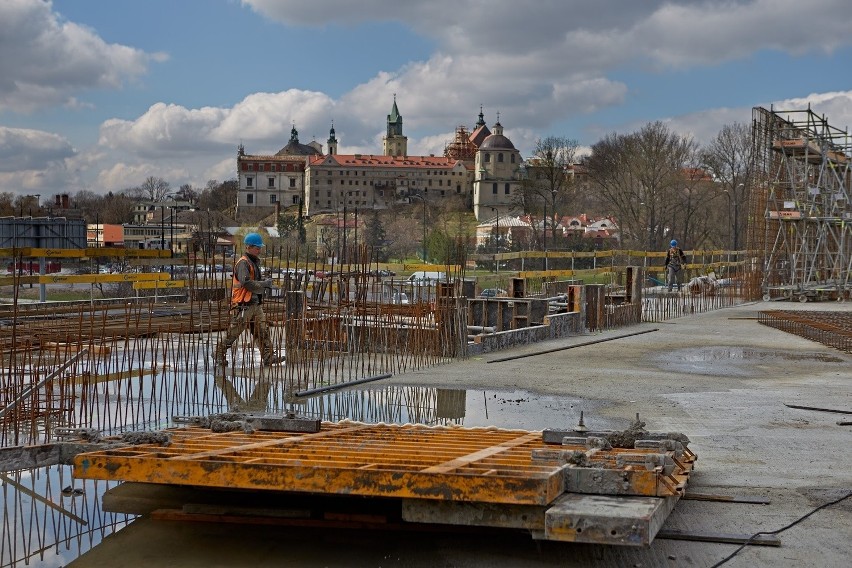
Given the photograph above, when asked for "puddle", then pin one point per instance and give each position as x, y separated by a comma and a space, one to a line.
472, 408
50, 519
734, 361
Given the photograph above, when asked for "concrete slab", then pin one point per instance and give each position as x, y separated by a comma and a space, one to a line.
720, 377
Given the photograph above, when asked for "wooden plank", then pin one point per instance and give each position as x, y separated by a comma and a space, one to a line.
483, 453
526, 517
159, 284
83, 278
90, 252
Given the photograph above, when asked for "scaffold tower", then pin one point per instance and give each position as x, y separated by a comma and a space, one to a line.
801, 217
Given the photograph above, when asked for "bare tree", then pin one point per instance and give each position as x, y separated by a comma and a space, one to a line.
641, 176
219, 196
728, 158
117, 208
187, 193
155, 189
548, 186
6, 204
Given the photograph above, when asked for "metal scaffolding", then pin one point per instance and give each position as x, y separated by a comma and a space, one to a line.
801, 216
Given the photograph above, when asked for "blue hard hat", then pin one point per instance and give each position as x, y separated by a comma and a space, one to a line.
674, 243
254, 240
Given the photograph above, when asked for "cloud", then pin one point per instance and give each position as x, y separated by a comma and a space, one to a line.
664, 32
46, 60
164, 131
704, 125
123, 176
25, 149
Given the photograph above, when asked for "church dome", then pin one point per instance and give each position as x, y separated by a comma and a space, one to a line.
296, 149
497, 142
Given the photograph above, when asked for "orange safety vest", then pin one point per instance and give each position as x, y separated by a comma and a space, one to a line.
239, 295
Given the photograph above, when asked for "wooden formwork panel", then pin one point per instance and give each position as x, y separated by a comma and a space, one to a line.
473, 464
482, 465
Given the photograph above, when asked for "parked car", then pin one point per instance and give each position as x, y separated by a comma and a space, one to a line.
492, 293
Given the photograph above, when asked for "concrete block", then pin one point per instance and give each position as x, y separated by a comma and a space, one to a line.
602, 519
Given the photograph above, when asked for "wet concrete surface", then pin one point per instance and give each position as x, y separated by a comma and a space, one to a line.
721, 378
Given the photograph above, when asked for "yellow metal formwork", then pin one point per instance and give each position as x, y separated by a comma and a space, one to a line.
485, 465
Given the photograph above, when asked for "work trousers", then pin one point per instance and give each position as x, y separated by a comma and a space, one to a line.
249, 317
673, 277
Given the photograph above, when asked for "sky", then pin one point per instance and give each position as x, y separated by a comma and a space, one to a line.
99, 95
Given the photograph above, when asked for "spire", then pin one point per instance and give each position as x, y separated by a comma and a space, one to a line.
481, 121
394, 120
498, 128
332, 140
394, 115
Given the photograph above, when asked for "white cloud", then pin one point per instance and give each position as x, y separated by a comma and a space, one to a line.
46, 60
665, 32
537, 66
704, 125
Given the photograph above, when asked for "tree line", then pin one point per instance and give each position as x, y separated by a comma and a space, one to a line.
657, 184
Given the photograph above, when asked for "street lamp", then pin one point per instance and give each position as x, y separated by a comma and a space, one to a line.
733, 203
496, 240
736, 236
423, 199
172, 239
544, 230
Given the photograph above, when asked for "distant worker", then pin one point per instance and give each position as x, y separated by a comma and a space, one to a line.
675, 260
247, 305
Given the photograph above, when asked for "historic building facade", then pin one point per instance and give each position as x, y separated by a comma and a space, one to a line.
482, 169
269, 182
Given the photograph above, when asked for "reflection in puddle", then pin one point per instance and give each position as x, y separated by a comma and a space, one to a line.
49, 519
434, 406
734, 361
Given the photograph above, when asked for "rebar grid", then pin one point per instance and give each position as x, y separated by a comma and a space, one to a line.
829, 328
52, 518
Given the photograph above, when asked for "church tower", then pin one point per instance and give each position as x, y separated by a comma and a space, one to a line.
394, 143
332, 141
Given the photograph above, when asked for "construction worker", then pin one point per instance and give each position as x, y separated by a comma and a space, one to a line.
675, 260
247, 305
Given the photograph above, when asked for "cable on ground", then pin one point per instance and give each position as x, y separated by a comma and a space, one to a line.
794, 523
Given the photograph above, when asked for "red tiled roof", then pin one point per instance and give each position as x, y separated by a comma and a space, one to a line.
367, 160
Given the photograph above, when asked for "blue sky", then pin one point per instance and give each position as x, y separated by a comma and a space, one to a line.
100, 94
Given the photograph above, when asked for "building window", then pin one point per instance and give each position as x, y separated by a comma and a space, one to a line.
508, 189
271, 183
494, 188
249, 181
486, 157
513, 158
272, 199
292, 182
249, 198
500, 157
295, 200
